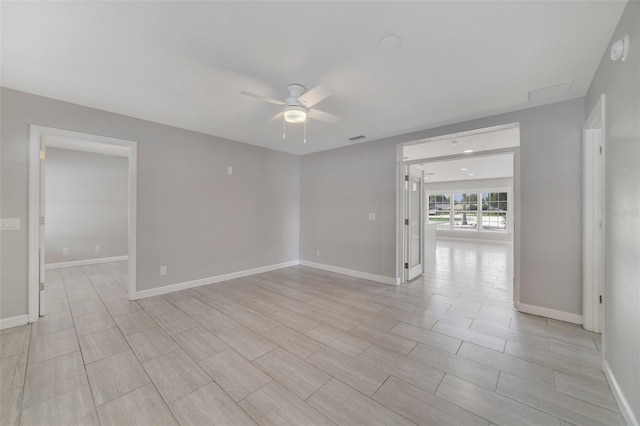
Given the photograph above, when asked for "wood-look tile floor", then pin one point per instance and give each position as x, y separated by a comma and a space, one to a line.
302, 346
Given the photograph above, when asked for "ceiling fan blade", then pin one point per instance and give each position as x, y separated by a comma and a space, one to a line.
278, 116
315, 95
262, 98
316, 114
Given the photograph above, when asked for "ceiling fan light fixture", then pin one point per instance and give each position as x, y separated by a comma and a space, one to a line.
295, 114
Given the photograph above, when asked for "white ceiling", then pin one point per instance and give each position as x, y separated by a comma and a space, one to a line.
495, 166
449, 145
183, 63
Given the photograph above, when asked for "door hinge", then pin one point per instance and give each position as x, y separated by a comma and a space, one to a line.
41, 220
406, 178
406, 221
406, 265
41, 286
601, 299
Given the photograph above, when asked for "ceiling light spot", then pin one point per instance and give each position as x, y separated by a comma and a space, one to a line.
467, 151
472, 174
463, 169
391, 42
454, 142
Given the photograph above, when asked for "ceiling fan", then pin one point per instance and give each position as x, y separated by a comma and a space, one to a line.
297, 107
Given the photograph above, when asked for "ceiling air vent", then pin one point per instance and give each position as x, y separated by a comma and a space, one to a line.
356, 138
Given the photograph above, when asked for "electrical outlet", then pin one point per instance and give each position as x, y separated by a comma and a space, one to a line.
317, 252
97, 247
163, 270
65, 250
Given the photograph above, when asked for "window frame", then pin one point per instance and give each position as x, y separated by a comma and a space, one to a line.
479, 210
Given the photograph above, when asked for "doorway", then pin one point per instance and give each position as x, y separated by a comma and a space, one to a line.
42, 138
593, 219
474, 211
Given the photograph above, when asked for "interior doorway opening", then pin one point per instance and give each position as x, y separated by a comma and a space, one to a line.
470, 193
83, 147
593, 271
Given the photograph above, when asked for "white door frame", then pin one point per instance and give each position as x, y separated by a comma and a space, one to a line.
39, 138
593, 218
400, 164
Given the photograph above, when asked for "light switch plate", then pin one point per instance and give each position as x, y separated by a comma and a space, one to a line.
10, 224
372, 216
229, 170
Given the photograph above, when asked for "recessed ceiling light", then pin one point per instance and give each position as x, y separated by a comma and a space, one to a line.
472, 174
391, 42
463, 169
466, 151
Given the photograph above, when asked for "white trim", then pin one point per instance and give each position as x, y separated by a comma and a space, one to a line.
84, 142
14, 321
34, 224
550, 313
364, 275
593, 135
623, 404
143, 294
85, 262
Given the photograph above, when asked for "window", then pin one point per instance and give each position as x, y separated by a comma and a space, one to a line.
494, 211
440, 209
465, 207
486, 210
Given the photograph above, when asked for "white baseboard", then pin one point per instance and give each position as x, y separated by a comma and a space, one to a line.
473, 240
14, 321
85, 262
550, 313
623, 404
351, 272
143, 294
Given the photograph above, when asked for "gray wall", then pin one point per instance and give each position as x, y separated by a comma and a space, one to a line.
192, 216
460, 185
340, 186
338, 190
620, 81
86, 204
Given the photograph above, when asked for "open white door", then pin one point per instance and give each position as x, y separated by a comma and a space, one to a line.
414, 222
43, 155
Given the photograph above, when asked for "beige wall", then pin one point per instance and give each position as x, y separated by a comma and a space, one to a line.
192, 216
620, 82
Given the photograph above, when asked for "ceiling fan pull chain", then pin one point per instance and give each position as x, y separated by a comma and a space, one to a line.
305, 132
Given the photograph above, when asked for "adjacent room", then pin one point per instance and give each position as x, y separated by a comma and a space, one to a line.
260, 213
